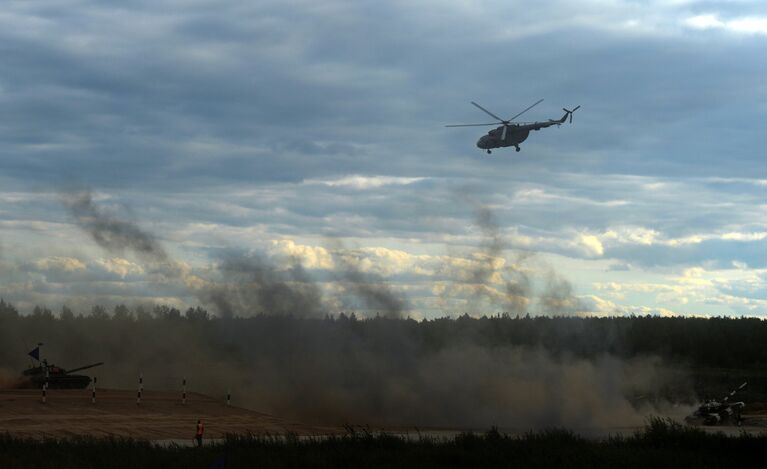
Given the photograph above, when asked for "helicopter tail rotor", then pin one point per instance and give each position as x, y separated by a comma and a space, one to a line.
570, 113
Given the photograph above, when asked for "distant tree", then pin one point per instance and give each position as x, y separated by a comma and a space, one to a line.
166, 312
42, 312
99, 312
122, 313
66, 314
142, 314
197, 314
7, 310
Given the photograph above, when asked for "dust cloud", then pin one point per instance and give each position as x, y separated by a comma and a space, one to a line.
379, 372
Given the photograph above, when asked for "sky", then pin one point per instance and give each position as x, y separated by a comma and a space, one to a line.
312, 135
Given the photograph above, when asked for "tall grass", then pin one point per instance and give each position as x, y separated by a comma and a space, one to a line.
661, 443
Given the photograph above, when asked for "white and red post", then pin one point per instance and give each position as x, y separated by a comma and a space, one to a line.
140, 388
45, 385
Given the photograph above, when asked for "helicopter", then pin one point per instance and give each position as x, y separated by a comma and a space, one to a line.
713, 412
512, 134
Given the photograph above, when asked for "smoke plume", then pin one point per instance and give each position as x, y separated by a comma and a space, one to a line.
516, 283
110, 232
372, 290
251, 285
246, 285
512, 287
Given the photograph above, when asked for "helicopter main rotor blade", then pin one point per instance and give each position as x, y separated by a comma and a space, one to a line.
536, 103
469, 125
503, 135
487, 112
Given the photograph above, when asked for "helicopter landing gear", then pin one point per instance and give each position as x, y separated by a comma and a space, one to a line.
488, 152
516, 147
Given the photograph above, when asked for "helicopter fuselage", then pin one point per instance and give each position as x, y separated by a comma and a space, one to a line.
514, 136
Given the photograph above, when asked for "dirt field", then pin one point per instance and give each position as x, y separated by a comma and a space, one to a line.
161, 415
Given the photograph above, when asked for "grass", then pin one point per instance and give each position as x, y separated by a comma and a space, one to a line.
661, 443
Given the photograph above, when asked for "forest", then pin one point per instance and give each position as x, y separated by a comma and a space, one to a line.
720, 342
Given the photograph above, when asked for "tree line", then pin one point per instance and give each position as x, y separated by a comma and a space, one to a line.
723, 342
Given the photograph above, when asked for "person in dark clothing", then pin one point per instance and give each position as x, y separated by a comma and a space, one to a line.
198, 434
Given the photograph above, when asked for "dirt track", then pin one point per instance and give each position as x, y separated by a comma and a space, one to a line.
161, 415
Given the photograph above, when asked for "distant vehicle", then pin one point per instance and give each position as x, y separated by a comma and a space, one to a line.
511, 135
55, 376
713, 412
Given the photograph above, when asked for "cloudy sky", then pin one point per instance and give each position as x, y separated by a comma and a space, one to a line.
312, 132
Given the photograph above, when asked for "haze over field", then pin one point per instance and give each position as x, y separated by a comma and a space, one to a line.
179, 153
456, 374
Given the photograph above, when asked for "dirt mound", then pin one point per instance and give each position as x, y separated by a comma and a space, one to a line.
160, 416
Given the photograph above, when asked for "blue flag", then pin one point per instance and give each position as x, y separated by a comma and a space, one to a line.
35, 353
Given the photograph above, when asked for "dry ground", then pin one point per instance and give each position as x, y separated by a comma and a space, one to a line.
161, 415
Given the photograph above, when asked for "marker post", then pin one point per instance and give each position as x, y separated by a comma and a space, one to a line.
93, 391
45, 385
140, 388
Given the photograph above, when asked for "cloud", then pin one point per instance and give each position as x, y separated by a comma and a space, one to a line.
229, 127
594, 306
742, 25
704, 22
368, 182
311, 257
62, 264
592, 245
121, 267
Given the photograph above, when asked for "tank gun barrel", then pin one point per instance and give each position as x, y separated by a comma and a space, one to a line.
727, 398
84, 367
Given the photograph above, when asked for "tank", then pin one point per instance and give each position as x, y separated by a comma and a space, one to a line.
57, 377
713, 412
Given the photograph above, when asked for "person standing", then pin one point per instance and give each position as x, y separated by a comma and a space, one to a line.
198, 434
